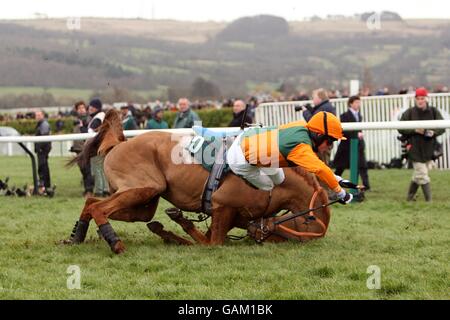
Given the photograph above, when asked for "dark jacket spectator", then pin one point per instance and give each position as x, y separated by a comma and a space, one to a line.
42, 150
323, 106
157, 122
321, 103
422, 143
237, 119
128, 120
81, 126
185, 118
342, 157
238, 114
96, 115
42, 129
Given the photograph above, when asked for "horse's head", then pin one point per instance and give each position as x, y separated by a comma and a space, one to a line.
299, 188
299, 192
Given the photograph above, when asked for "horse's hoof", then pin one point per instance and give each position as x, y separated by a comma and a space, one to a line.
155, 226
67, 242
118, 248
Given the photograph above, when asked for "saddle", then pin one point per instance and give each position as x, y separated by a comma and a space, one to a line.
209, 148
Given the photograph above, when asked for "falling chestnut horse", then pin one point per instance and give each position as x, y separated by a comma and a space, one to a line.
141, 170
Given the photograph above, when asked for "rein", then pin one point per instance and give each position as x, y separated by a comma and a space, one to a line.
269, 226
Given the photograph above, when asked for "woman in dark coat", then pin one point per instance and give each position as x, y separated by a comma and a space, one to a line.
342, 157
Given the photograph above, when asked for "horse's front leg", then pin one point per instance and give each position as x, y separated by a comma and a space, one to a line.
168, 236
187, 225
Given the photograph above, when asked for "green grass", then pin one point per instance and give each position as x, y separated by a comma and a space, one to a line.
409, 242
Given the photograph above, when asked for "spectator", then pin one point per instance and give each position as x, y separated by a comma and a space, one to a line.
128, 121
132, 109
238, 115
422, 143
81, 126
42, 150
302, 96
252, 105
342, 158
96, 117
185, 117
157, 122
59, 123
321, 103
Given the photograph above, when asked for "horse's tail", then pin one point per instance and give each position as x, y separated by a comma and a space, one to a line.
109, 135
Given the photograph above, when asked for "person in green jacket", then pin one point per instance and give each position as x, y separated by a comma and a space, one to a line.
186, 117
422, 143
128, 121
157, 122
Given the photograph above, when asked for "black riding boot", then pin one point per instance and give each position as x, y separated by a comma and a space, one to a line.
426, 188
412, 191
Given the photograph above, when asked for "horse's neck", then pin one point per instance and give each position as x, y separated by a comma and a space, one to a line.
279, 201
295, 185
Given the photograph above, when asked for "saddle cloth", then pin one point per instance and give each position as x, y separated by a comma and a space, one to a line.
209, 149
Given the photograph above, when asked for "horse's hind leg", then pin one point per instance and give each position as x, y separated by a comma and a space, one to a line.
101, 210
82, 225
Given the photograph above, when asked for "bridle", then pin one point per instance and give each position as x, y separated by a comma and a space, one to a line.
263, 228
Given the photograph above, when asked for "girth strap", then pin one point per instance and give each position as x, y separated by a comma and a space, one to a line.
214, 178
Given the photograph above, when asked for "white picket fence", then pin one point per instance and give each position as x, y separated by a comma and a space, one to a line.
381, 145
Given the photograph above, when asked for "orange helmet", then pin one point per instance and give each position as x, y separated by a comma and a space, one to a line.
327, 124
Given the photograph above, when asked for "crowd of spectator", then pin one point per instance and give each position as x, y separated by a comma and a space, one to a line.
151, 114
89, 117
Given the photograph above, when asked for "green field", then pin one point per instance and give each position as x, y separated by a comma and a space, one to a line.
408, 241
77, 94
56, 92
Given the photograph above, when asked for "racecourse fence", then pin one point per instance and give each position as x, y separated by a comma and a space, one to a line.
381, 145
378, 113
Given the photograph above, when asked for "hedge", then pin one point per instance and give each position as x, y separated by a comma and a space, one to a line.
210, 118
28, 126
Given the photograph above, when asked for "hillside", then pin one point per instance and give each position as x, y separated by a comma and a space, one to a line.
153, 55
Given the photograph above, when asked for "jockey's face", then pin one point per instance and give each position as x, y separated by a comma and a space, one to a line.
319, 140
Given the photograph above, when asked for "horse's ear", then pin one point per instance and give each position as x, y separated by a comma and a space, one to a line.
112, 132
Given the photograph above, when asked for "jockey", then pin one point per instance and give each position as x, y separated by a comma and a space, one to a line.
259, 154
